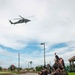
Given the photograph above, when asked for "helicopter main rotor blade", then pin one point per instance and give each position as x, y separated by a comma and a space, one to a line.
24, 18
21, 16
30, 16
16, 18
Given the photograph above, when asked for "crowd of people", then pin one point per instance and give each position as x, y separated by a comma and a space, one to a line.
58, 67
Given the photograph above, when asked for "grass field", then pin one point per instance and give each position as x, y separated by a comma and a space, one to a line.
6, 73
71, 73
9, 73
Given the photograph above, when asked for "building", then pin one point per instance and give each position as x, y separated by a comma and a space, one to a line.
72, 65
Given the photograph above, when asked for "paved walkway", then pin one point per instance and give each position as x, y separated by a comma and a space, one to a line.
27, 74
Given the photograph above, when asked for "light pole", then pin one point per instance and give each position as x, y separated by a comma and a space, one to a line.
18, 61
44, 53
28, 65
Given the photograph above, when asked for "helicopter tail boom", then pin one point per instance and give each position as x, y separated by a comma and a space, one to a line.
10, 21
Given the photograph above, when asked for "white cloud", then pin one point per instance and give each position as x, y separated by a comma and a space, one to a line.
53, 23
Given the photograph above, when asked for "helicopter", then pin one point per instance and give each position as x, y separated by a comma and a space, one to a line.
21, 20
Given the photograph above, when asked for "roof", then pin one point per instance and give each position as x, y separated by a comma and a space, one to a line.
72, 59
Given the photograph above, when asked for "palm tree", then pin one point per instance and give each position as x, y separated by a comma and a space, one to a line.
31, 63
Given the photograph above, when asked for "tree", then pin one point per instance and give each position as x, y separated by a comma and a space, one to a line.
0, 68
67, 68
12, 67
39, 68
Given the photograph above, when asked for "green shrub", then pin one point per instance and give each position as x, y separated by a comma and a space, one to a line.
39, 68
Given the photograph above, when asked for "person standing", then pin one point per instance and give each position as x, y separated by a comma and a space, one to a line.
49, 69
56, 57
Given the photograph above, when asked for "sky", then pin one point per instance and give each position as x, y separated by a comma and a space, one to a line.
53, 23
